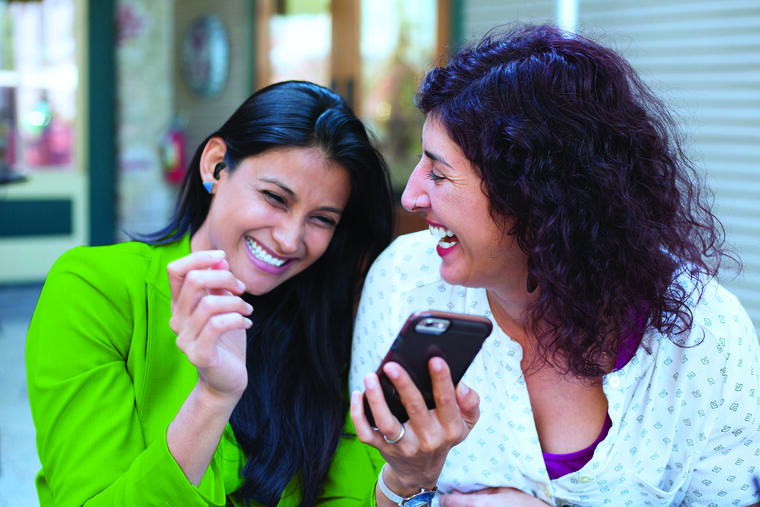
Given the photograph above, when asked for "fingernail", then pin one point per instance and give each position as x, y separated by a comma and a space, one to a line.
241, 285
392, 370
369, 382
463, 389
355, 405
216, 254
250, 309
437, 364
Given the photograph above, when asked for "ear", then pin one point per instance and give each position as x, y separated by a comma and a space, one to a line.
213, 153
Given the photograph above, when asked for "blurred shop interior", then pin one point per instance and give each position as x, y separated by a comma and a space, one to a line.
102, 102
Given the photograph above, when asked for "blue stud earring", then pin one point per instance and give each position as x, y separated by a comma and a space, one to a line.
208, 185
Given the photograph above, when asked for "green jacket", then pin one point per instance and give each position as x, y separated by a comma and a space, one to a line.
106, 378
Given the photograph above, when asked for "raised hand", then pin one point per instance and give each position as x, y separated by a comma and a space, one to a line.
210, 318
415, 461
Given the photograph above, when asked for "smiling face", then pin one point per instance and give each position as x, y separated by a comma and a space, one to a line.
445, 188
274, 214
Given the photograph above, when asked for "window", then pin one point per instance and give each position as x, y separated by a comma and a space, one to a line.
38, 81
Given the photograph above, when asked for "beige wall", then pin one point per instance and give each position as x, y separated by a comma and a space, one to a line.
144, 93
152, 94
204, 115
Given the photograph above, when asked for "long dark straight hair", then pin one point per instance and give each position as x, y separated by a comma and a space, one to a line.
290, 417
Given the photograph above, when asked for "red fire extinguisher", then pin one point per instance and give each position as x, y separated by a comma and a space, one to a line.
173, 153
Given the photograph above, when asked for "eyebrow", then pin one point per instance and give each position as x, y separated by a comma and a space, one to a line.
436, 158
282, 186
293, 195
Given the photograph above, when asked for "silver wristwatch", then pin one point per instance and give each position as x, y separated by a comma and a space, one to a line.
422, 498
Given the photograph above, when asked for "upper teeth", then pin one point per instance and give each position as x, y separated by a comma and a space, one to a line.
440, 232
262, 254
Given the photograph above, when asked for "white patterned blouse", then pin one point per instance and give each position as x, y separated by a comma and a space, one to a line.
685, 420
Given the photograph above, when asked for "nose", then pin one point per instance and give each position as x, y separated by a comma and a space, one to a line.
288, 234
415, 195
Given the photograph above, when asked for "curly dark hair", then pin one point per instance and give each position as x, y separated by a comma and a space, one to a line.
583, 165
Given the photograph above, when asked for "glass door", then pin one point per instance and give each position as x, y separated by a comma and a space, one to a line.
398, 44
42, 185
373, 53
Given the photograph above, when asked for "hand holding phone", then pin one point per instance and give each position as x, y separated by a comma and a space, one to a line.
455, 337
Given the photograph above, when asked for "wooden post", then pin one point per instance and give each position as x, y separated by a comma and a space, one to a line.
345, 70
443, 30
264, 10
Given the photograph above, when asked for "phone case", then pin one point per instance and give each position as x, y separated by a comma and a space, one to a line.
456, 338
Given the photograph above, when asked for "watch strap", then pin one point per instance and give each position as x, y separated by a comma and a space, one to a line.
395, 497
389, 494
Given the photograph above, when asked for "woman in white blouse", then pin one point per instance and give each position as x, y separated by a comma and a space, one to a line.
564, 209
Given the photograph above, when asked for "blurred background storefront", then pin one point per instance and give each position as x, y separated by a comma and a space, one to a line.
102, 102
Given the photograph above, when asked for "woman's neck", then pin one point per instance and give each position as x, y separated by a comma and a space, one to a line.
508, 310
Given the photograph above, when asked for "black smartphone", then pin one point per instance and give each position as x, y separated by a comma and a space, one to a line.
455, 337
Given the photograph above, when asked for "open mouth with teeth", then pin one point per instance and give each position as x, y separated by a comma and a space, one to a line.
446, 238
265, 257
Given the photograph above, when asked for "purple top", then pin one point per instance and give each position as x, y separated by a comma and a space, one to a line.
562, 464
558, 465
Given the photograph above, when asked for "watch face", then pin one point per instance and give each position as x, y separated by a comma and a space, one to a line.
420, 499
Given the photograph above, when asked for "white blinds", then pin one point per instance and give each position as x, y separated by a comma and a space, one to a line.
703, 58
482, 15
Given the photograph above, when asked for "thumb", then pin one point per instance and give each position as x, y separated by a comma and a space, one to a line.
469, 404
453, 499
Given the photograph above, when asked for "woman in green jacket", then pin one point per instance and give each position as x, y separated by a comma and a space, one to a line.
148, 389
